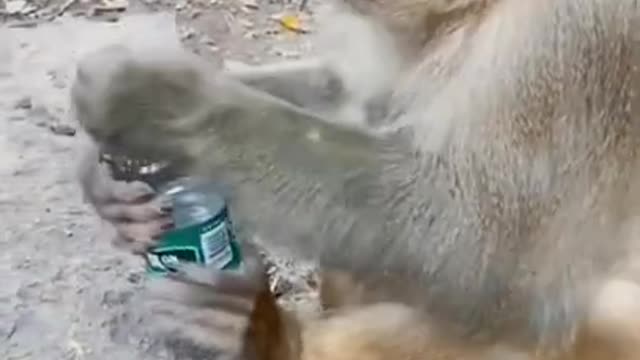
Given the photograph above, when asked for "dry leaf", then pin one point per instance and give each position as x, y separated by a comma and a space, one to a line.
292, 23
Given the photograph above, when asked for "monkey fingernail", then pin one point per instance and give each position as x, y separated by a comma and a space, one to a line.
165, 204
135, 193
167, 225
142, 198
166, 209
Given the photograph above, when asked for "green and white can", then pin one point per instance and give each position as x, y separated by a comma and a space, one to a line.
203, 231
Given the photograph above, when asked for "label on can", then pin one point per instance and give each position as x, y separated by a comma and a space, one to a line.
203, 235
215, 245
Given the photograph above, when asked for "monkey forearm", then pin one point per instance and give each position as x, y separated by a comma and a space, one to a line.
309, 83
238, 115
315, 85
295, 161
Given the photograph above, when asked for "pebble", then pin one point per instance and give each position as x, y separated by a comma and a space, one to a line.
62, 129
24, 103
250, 4
16, 117
112, 298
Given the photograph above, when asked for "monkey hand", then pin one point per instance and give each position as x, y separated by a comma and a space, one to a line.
230, 314
139, 216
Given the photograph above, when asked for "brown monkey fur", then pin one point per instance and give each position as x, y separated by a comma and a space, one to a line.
494, 218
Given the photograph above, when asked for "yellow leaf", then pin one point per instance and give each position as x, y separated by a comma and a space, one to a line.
292, 23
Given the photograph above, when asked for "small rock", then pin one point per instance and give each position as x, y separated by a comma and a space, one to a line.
247, 24
250, 35
134, 278
288, 54
108, 6
62, 129
7, 333
28, 291
113, 298
57, 80
15, 6
187, 33
24, 103
43, 117
16, 117
205, 40
234, 65
110, 17
180, 6
49, 298
25, 264
250, 4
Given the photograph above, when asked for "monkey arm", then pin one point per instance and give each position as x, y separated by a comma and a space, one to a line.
284, 162
318, 86
310, 84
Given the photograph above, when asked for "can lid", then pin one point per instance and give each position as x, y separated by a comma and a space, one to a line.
194, 200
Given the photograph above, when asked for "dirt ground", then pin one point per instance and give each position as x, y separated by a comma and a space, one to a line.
66, 292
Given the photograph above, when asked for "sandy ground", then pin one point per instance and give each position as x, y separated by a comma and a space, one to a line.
65, 292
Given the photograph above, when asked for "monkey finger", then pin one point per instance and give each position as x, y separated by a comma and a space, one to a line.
95, 179
138, 237
136, 213
216, 330
137, 247
101, 188
253, 263
136, 192
203, 281
243, 284
145, 231
197, 296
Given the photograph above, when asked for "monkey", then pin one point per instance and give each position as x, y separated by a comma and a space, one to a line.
495, 218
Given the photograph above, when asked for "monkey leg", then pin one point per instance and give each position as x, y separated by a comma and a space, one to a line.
612, 331
235, 314
385, 331
382, 331
338, 290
